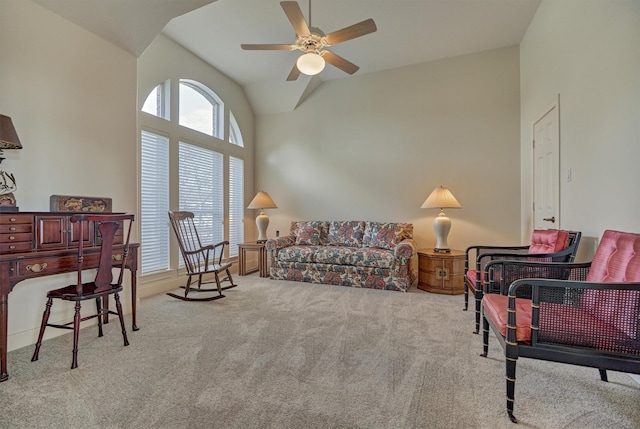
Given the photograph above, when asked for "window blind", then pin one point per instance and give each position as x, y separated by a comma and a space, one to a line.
236, 204
200, 187
154, 189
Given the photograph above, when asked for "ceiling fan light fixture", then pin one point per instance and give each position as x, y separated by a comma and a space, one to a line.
310, 63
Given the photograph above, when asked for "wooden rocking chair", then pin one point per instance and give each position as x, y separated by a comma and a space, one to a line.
199, 260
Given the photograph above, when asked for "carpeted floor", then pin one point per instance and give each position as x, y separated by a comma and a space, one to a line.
276, 354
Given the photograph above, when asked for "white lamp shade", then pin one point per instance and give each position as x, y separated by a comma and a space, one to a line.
310, 63
441, 198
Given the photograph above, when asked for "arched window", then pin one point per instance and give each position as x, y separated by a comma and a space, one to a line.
198, 172
235, 137
157, 102
200, 108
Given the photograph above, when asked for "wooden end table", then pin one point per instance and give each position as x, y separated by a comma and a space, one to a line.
252, 246
441, 272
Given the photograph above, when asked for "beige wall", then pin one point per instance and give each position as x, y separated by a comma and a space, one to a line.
587, 51
72, 98
372, 147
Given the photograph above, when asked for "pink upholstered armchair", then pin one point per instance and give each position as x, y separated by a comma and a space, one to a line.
592, 318
551, 245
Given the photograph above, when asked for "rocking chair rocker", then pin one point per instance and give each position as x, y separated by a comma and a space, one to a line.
199, 260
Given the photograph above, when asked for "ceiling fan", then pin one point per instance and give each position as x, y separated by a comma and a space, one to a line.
312, 41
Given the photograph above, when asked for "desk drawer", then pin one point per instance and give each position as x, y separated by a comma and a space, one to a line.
24, 246
13, 219
15, 228
36, 267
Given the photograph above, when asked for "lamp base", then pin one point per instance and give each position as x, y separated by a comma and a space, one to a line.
437, 250
261, 241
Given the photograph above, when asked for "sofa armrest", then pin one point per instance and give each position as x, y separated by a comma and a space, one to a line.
405, 250
274, 244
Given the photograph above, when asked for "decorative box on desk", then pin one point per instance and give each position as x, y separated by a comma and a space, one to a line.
441, 272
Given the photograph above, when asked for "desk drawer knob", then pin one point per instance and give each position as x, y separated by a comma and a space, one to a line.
11, 237
13, 228
36, 268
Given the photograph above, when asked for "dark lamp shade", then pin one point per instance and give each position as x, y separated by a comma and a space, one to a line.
8, 136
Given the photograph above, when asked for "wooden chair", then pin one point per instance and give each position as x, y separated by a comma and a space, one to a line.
199, 260
110, 230
551, 245
588, 319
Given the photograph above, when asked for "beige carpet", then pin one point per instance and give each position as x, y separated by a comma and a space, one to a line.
276, 354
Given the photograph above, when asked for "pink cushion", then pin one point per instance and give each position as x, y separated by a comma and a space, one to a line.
495, 308
471, 277
617, 259
548, 241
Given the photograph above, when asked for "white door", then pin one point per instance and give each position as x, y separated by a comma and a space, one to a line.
546, 169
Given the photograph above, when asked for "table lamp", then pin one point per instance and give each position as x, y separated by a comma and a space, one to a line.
262, 201
8, 140
441, 198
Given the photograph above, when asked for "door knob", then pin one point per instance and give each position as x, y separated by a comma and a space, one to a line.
550, 219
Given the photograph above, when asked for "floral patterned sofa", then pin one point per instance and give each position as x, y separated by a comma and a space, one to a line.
374, 255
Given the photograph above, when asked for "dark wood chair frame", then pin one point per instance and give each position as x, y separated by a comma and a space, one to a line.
101, 286
556, 291
199, 260
484, 254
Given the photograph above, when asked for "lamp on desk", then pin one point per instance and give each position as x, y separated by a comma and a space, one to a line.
441, 198
8, 140
262, 201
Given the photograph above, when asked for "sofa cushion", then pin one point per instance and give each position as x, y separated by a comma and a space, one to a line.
303, 253
312, 233
386, 235
336, 255
548, 241
369, 257
346, 233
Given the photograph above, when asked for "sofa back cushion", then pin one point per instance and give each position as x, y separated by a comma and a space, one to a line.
313, 233
346, 233
617, 259
386, 235
548, 241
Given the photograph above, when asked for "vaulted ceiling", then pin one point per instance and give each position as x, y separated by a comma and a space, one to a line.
408, 32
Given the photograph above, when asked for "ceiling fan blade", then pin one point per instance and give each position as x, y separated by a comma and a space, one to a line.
293, 12
351, 32
339, 62
268, 47
294, 73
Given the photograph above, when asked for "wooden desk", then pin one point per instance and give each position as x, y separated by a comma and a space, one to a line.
38, 244
262, 258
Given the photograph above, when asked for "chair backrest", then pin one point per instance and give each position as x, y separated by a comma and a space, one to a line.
548, 240
563, 243
194, 254
617, 259
109, 228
